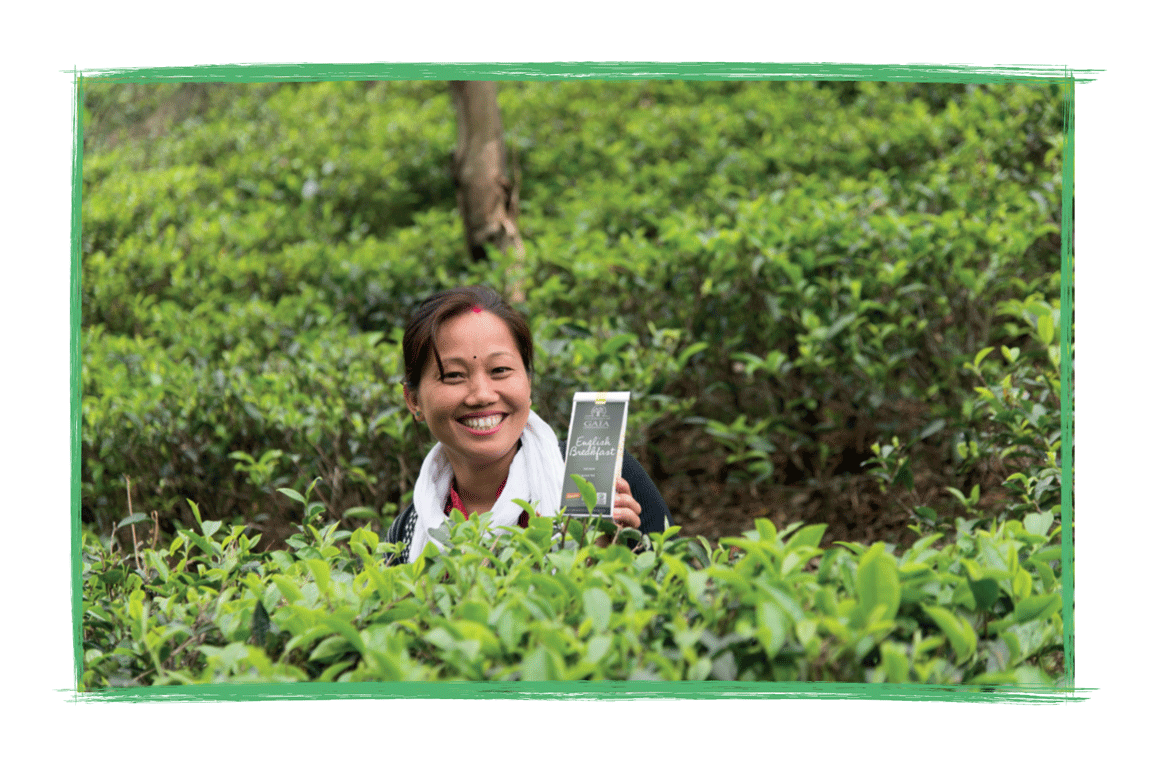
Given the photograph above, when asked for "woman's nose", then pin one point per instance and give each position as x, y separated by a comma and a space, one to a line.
481, 390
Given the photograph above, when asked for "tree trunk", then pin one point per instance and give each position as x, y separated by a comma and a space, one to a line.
488, 200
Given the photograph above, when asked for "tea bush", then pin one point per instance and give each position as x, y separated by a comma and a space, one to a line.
770, 266
550, 603
811, 281
974, 601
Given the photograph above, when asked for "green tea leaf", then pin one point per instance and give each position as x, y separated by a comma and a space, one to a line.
131, 519
321, 573
598, 646
980, 356
598, 608
895, 663
878, 582
360, 512
1044, 329
292, 494
587, 491
1037, 607
960, 634
287, 588
809, 536
260, 624
773, 627
688, 352
1038, 523
985, 591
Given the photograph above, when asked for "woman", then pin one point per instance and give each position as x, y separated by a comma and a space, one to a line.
467, 374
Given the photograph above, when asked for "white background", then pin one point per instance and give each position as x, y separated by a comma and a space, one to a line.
44, 726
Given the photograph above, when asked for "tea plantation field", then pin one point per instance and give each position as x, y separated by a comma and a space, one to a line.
837, 307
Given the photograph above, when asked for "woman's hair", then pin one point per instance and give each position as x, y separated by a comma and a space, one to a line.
420, 333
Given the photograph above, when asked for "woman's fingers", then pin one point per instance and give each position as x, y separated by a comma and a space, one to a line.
626, 511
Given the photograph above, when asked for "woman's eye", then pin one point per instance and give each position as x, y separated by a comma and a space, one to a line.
448, 375
501, 370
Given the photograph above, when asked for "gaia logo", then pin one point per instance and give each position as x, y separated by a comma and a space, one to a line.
597, 417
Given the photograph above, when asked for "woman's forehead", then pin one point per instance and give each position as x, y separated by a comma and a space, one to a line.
474, 334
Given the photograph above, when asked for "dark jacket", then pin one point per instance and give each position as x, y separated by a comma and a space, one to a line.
654, 514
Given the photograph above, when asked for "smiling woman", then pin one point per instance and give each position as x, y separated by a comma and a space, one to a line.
468, 375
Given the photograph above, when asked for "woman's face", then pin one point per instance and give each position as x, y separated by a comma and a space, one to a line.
480, 407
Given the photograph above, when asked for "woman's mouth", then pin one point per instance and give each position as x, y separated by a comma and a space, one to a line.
482, 425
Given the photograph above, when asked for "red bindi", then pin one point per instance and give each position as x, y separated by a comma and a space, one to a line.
475, 308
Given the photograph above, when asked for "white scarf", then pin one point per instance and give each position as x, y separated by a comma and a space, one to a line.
536, 475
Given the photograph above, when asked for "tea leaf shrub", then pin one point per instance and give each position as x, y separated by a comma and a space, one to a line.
787, 271
977, 605
1010, 430
809, 281
551, 602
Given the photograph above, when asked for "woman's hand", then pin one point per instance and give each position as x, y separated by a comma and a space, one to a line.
626, 510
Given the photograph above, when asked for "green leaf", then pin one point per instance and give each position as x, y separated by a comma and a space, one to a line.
773, 627
960, 634
616, 343
598, 608
958, 494
537, 666
878, 582
765, 530
895, 663
1038, 523
156, 561
1037, 607
932, 428
291, 494
926, 512
260, 624
999, 655
1044, 329
525, 506
361, 512
993, 558
904, 475
808, 536
195, 509
985, 591
587, 491
287, 588
697, 582
346, 631
332, 646
207, 546
135, 518
598, 646
691, 350
321, 573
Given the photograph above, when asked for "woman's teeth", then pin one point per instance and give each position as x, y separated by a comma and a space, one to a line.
482, 423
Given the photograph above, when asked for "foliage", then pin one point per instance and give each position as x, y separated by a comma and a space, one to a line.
1011, 429
781, 269
551, 603
782, 274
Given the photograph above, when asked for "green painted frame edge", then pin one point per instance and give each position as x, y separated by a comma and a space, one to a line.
596, 70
